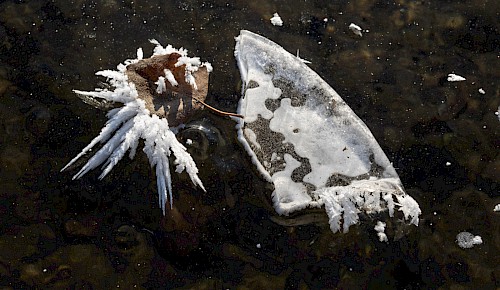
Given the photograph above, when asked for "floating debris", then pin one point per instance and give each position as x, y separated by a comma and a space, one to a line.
306, 140
150, 108
466, 240
276, 20
380, 229
356, 29
455, 78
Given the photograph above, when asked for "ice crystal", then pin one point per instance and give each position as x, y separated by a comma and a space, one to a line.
137, 120
276, 20
466, 240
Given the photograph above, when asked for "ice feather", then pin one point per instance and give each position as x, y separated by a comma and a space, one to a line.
170, 77
158, 159
343, 203
161, 86
184, 161
120, 94
133, 121
129, 124
105, 151
115, 77
157, 148
129, 139
119, 116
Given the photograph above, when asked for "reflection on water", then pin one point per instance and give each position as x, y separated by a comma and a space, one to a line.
442, 137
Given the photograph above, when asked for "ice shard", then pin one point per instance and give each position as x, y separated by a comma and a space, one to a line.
308, 142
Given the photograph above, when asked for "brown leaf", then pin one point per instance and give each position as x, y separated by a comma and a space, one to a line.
178, 103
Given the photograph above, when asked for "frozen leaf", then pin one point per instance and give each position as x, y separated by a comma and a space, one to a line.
306, 140
186, 85
156, 93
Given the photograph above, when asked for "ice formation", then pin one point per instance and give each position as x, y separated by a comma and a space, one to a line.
306, 140
148, 116
466, 240
301, 59
276, 20
455, 78
380, 229
356, 29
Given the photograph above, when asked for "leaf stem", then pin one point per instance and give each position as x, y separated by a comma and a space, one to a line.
217, 110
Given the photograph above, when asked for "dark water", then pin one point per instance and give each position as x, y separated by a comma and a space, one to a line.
442, 137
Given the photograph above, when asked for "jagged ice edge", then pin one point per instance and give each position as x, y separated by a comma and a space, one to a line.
343, 203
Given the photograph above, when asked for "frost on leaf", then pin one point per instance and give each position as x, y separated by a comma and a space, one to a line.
157, 93
182, 86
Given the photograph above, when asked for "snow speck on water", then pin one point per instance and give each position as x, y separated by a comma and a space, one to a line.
466, 240
455, 78
276, 20
356, 29
380, 228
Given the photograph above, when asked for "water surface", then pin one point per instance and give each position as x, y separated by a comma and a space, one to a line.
442, 137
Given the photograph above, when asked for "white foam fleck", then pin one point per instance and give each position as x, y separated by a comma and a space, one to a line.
455, 78
466, 240
276, 20
356, 29
380, 229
